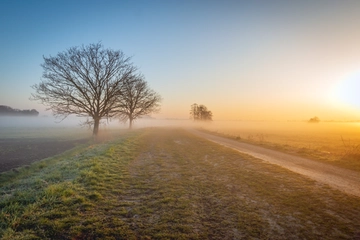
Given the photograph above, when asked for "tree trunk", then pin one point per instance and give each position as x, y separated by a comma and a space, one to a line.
130, 123
96, 126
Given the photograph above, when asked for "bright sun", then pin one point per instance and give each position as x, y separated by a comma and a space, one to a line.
347, 91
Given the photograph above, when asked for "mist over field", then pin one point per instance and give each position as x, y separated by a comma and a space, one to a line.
40, 121
76, 122
243, 128
72, 126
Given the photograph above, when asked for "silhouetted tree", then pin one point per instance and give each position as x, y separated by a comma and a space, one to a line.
200, 113
84, 81
137, 99
314, 120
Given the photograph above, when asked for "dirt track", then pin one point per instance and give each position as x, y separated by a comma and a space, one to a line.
342, 179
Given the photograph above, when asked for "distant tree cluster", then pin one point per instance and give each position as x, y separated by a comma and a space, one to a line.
200, 113
314, 120
97, 83
8, 111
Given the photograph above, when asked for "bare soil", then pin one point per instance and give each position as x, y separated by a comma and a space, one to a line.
16, 152
342, 179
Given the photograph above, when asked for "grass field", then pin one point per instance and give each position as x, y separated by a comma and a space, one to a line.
336, 143
164, 183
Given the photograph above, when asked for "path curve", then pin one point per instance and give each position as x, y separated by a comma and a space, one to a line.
342, 179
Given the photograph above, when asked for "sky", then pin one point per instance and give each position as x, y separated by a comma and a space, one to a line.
244, 60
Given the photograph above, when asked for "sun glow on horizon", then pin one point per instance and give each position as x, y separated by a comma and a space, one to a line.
346, 92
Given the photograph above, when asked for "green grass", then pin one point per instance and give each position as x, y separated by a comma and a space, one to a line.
167, 184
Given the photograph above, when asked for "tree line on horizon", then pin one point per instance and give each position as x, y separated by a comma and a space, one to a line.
8, 111
97, 83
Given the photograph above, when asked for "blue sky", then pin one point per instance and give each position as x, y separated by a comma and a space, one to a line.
258, 60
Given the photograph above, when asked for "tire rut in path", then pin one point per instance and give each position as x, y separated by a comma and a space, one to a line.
342, 179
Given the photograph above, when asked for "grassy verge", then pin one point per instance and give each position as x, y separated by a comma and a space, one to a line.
167, 184
61, 197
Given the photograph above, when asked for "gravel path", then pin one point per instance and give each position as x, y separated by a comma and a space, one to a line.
342, 179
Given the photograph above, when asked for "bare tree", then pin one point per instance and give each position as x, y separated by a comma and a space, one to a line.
194, 113
137, 99
200, 113
84, 81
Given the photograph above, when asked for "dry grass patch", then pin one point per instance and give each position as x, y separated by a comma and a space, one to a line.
335, 143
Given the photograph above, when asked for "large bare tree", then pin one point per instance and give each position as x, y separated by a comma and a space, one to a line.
137, 99
84, 81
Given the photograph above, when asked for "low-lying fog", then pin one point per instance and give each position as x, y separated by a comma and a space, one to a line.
51, 122
33, 126
13, 127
